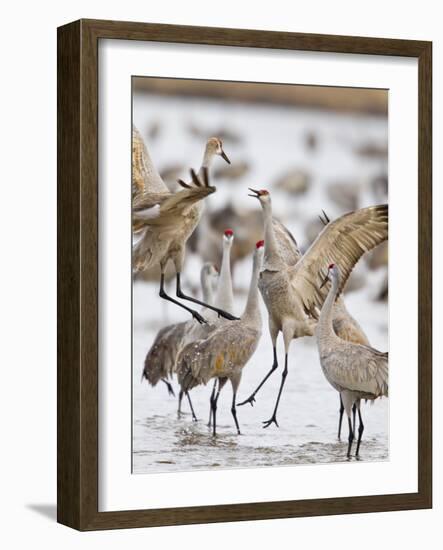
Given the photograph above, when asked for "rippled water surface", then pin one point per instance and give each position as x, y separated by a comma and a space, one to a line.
308, 416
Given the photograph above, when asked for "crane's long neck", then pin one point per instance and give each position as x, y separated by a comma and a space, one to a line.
273, 260
207, 290
224, 298
251, 314
207, 160
206, 163
325, 328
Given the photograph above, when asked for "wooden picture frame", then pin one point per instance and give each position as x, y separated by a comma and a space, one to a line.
77, 457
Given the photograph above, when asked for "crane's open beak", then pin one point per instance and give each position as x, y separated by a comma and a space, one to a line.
325, 280
224, 156
257, 193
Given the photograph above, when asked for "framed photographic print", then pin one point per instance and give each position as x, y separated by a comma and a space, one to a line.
244, 275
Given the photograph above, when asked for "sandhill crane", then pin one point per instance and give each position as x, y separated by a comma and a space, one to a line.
346, 328
163, 221
161, 358
291, 293
160, 362
224, 298
226, 351
345, 325
354, 370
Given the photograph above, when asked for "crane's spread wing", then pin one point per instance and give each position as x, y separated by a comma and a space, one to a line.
341, 242
165, 208
161, 358
287, 245
145, 177
226, 349
146, 207
365, 370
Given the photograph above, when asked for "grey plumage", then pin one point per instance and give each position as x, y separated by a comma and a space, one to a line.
356, 371
161, 358
162, 222
160, 362
287, 245
226, 351
292, 293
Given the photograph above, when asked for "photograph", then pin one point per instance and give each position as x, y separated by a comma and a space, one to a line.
260, 306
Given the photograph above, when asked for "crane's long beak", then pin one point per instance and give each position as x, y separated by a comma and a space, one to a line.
224, 156
257, 193
325, 280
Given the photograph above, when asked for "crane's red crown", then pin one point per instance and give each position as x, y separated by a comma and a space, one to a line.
260, 244
331, 266
229, 232
263, 192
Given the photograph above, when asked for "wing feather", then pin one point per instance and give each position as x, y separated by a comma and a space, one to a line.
365, 370
161, 358
342, 242
225, 350
145, 177
287, 245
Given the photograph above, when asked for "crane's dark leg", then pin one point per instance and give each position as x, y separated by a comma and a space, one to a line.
350, 438
234, 412
251, 398
340, 417
183, 296
169, 386
165, 296
361, 427
273, 419
179, 408
221, 383
210, 403
354, 410
214, 399
194, 418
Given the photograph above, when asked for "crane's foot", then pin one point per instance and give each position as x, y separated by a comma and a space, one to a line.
227, 315
169, 387
183, 296
272, 420
250, 399
196, 315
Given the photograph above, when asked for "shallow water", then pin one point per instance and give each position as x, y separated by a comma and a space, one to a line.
308, 414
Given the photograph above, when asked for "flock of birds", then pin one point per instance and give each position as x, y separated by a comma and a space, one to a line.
302, 294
